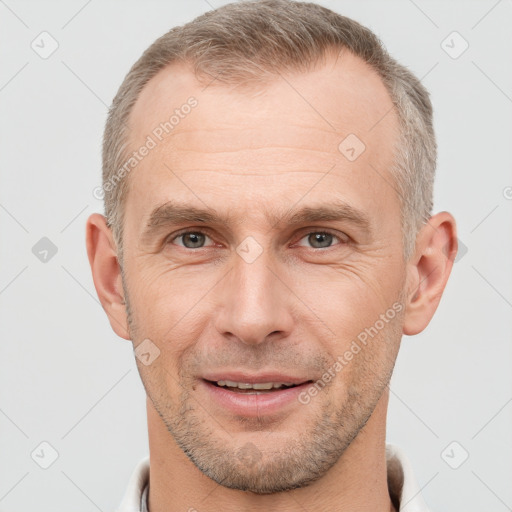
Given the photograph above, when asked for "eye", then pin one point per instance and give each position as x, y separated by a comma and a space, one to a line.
314, 239
191, 239
321, 239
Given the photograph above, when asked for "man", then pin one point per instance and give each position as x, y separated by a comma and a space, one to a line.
267, 240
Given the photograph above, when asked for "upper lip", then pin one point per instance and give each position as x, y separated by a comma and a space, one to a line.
253, 378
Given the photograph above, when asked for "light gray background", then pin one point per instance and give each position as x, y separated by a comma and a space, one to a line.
67, 379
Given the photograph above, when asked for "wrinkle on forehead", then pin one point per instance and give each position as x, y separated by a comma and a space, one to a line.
344, 95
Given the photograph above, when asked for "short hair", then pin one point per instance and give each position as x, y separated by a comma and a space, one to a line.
252, 42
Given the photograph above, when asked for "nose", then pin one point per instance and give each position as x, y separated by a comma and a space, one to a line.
254, 301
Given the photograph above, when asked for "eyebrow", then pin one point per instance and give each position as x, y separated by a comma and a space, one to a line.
172, 213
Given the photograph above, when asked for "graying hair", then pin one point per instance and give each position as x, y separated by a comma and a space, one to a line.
252, 42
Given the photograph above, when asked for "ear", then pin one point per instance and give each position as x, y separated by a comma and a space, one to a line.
106, 273
428, 271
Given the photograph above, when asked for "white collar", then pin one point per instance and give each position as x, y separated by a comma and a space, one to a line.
401, 483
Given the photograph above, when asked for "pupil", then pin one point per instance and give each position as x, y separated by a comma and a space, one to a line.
320, 238
195, 238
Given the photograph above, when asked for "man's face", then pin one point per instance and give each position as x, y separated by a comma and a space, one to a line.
254, 293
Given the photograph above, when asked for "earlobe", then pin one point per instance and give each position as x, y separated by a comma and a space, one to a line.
428, 271
106, 273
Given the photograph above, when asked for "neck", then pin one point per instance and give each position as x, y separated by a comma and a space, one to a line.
358, 480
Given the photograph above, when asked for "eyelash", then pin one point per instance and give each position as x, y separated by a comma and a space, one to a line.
203, 232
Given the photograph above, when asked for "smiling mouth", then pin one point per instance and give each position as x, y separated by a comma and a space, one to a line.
253, 389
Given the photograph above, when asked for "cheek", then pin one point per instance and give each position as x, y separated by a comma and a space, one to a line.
363, 317
168, 307
367, 360
163, 294
349, 300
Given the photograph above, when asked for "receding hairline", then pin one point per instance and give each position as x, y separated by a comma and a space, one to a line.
185, 72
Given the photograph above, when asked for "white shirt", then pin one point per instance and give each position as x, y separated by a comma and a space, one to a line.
401, 484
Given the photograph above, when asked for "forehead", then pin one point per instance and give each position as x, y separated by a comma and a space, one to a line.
341, 92
235, 147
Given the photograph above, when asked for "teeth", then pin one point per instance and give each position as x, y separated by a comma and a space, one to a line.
245, 385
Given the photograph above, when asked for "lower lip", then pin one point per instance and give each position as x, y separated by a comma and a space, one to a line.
253, 405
